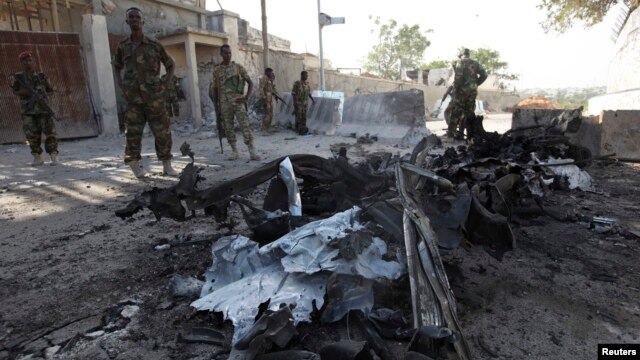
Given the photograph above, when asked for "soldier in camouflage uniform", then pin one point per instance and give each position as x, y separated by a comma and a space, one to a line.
227, 94
300, 92
468, 76
144, 92
31, 87
266, 93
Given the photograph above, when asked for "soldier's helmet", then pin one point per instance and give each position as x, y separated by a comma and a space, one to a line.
463, 52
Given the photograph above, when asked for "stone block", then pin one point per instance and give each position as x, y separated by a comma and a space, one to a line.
620, 133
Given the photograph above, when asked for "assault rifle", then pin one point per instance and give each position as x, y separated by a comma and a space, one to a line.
216, 106
446, 93
281, 99
36, 98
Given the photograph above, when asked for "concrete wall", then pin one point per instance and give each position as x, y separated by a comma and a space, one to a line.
287, 67
254, 37
160, 18
313, 62
611, 132
352, 85
70, 20
99, 70
623, 100
623, 70
623, 82
497, 101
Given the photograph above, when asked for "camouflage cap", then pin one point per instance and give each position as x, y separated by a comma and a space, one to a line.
463, 52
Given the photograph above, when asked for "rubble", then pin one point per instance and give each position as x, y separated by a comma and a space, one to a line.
329, 232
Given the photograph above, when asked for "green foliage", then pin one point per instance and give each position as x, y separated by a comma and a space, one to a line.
399, 47
561, 14
436, 64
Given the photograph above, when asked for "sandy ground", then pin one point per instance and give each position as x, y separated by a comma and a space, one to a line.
66, 259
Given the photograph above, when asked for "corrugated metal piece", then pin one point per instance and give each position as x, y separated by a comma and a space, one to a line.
58, 56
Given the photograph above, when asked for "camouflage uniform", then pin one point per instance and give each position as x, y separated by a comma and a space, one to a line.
230, 79
35, 119
300, 94
144, 92
174, 96
468, 76
266, 92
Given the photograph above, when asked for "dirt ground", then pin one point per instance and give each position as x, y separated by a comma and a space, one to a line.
70, 269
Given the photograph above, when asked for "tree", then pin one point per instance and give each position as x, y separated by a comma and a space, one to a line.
398, 48
437, 64
561, 14
490, 60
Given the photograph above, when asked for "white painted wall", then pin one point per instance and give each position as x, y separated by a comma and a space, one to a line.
100, 73
623, 83
624, 73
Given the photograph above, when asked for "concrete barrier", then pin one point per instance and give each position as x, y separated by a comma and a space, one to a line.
530, 117
322, 118
393, 117
588, 135
620, 133
611, 132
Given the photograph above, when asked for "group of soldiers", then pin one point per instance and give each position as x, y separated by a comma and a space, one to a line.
230, 101
138, 57
149, 99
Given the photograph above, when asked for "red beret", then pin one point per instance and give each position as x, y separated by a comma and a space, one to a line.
25, 54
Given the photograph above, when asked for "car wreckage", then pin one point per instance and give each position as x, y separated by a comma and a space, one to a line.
329, 232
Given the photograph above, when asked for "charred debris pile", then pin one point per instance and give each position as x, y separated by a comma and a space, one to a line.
329, 232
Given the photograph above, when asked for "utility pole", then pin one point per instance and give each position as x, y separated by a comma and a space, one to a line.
321, 57
265, 35
324, 19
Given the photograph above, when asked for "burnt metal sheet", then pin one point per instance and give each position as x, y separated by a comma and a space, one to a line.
346, 350
240, 278
273, 327
432, 298
59, 57
321, 246
346, 293
348, 186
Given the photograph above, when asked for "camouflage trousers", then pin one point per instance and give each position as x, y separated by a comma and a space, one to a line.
34, 126
230, 110
268, 115
301, 118
135, 118
463, 104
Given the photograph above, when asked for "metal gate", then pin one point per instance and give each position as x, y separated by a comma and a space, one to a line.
58, 56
